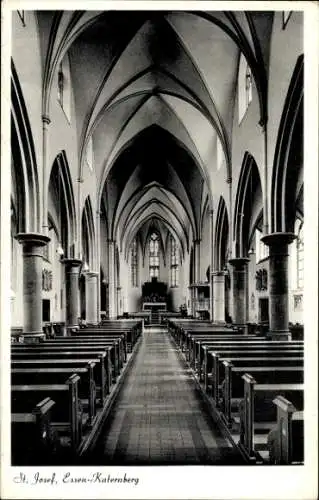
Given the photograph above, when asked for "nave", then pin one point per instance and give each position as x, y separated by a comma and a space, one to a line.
156, 287
186, 392
160, 417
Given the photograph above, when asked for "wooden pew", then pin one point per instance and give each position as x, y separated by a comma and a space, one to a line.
64, 353
52, 375
66, 413
211, 357
258, 415
131, 331
119, 339
71, 351
233, 384
286, 440
182, 335
33, 439
197, 343
179, 328
100, 378
116, 355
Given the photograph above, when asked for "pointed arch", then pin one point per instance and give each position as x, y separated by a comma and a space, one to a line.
60, 176
88, 234
221, 235
249, 195
289, 143
24, 161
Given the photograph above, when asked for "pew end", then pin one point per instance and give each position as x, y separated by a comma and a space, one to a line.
33, 437
286, 441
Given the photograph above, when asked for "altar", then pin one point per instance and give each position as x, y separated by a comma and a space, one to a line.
154, 295
154, 306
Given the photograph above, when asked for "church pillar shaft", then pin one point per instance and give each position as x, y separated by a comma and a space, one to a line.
72, 268
98, 261
111, 266
240, 290
218, 278
33, 244
45, 124
278, 284
211, 239
197, 260
91, 289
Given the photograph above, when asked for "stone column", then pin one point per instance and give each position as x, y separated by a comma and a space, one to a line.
91, 291
197, 260
278, 284
240, 291
118, 300
218, 296
45, 173
212, 266
111, 270
72, 268
33, 244
98, 263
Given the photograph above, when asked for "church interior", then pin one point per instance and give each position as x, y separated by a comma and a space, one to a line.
157, 237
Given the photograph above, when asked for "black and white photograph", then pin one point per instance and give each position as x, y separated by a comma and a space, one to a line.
154, 250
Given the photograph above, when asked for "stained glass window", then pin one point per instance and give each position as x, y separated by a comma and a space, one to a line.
245, 87
154, 255
174, 263
134, 263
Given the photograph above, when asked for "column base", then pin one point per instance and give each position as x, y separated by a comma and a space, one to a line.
69, 329
33, 338
279, 335
241, 326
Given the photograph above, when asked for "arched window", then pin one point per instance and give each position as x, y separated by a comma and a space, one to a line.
60, 84
134, 262
174, 263
219, 154
300, 257
249, 86
154, 255
64, 86
245, 87
89, 154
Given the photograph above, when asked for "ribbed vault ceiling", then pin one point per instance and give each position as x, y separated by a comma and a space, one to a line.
154, 91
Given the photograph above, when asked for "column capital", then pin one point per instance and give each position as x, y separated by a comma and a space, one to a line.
218, 273
278, 240
239, 262
46, 119
92, 274
72, 262
32, 239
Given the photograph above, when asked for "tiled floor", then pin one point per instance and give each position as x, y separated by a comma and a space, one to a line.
159, 417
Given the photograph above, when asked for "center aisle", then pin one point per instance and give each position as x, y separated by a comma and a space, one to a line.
159, 417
